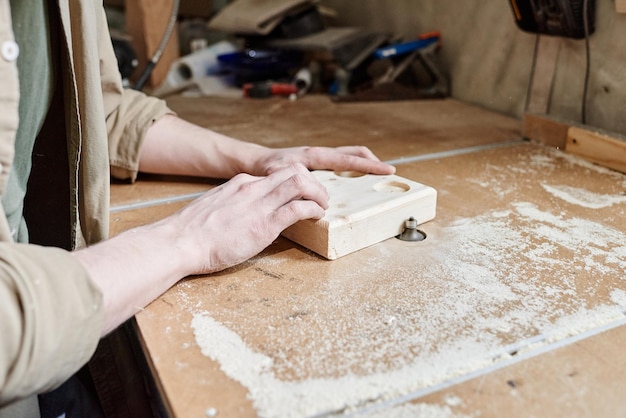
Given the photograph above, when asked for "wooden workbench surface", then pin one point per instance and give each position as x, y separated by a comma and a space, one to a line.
514, 302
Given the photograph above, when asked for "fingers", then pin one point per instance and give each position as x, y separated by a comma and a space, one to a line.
296, 183
236, 220
296, 210
359, 151
348, 158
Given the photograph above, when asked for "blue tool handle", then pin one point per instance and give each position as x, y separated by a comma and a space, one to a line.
404, 48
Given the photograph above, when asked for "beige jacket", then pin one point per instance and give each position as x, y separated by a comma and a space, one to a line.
50, 312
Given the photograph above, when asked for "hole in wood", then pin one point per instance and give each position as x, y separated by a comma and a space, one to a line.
392, 187
349, 174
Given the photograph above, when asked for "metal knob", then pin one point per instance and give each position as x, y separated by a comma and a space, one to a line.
411, 233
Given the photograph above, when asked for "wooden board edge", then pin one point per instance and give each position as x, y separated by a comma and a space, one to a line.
160, 401
388, 224
316, 236
312, 235
544, 129
598, 147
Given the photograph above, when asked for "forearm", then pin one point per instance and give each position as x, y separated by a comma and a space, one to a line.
225, 226
133, 268
174, 146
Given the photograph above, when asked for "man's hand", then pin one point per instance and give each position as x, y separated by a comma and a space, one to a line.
224, 227
238, 219
350, 158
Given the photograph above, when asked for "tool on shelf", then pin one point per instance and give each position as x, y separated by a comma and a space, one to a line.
266, 89
397, 75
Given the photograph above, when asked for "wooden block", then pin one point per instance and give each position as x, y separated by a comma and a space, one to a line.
600, 148
620, 6
364, 210
545, 129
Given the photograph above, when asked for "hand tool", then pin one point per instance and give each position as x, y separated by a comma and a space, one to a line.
265, 89
401, 59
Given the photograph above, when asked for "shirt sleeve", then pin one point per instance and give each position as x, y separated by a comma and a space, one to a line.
52, 317
129, 113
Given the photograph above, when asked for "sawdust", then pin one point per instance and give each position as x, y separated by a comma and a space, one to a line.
583, 197
618, 296
276, 398
589, 166
482, 290
451, 313
554, 158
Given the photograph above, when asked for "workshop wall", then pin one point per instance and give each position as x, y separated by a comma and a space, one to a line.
489, 59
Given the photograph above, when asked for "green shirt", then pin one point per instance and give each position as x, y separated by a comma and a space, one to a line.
36, 75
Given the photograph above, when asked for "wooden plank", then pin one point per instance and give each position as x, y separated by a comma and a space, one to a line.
545, 129
146, 21
364, 210
597, 147
601, 147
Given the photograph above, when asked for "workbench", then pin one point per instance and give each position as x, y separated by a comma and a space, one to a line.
514, 305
